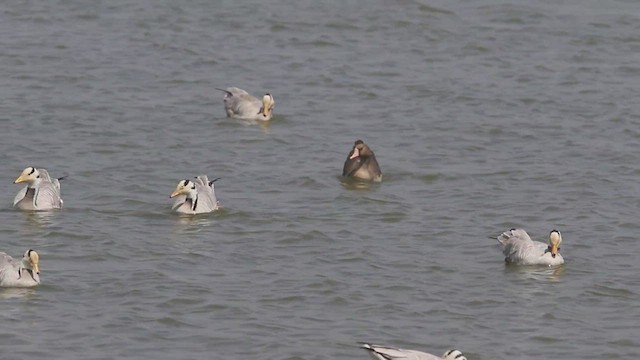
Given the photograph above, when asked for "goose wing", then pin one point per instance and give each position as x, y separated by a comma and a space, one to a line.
7, 261
518, 247
207, 201
21, 195
48, 193
373, 168
178, 202
8, 268
239, 103
513, 236
48, 196
351, 166
380, 352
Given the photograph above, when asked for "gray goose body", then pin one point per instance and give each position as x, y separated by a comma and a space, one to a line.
380, 352
240, 104
519, 249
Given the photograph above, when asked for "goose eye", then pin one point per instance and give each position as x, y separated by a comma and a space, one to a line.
186, 182
32, 171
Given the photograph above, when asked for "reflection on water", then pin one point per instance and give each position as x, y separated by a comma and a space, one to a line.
355, 184
13, 293
41, 218
533, 282
264, 125
553, 273
195, 222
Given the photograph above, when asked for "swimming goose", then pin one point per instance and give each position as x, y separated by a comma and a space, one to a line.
240, 105
25, 273
195, 197
41, 192
379, 352
362, 164
519, 249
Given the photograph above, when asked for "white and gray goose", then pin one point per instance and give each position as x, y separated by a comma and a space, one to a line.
380, 352
25, 273
195, 196
240, 104
41, 193
519, 249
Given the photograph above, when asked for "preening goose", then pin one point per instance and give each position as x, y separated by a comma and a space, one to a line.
519, 249
240, 104
361, 163
24, 273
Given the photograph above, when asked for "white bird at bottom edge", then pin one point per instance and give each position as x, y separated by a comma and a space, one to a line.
380, 352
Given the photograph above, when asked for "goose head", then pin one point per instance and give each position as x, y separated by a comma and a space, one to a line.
185, 187
29, 175
267, 106
30, 262
454, 355
555, 238
360, 149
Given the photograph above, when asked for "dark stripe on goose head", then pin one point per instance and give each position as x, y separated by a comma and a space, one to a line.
452, 351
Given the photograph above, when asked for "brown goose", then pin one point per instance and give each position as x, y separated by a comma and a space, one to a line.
362, 164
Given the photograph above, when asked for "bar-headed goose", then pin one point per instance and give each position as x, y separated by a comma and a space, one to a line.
41, 193
378, 352
240, 104
195, 196
24, 273
519, 249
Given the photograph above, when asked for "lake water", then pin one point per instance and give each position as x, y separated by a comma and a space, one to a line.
484, 115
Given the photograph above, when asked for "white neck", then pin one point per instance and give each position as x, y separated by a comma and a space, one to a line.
23, 265
34, 183
191, 194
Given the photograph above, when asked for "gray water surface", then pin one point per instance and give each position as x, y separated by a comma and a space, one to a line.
484, 115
